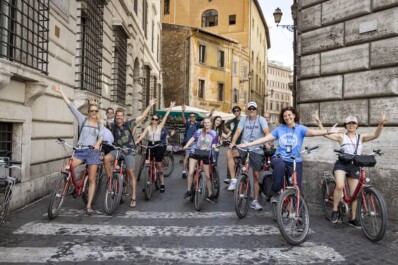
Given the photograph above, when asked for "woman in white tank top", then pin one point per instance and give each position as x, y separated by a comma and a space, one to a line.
349, 142
154, 131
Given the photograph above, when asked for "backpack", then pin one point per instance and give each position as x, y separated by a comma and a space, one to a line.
113, 130
83, 124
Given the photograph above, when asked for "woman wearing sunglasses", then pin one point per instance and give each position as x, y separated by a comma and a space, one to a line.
154, 131
91, 132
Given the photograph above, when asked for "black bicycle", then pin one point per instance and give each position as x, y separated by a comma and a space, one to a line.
6, 184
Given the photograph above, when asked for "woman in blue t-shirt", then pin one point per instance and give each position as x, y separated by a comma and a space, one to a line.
205, 139
290, 135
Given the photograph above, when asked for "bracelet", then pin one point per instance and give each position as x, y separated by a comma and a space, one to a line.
328, 131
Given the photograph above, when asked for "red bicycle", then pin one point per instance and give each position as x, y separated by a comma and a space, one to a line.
115, 183
151, 176
67, 183
371, 208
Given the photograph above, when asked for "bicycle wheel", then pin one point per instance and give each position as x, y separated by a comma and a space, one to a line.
168, 165
327, 197
192, 197
113, 193
58, 193
158, 182
242, 196
148, 183
372, 214
215, 181
274, 207
293, 222
5, 197
141, 167
200, 192
98, 182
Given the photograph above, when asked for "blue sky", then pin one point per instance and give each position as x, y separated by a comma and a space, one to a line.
281, 39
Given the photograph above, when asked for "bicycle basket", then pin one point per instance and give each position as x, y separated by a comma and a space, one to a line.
201, 154
364, 161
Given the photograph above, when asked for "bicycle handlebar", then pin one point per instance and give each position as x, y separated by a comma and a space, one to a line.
152, 146
307, 150
118, 147
375, 152
78, 147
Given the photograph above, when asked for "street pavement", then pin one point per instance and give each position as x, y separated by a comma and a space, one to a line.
168, 230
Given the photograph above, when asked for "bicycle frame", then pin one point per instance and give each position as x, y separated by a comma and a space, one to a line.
198, 168
70, 171
149, 162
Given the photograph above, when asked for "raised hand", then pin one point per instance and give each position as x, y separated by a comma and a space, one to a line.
92, 101
335, 129
172, 104
56, 88
152, 101
183, 107
384, 118
315, 115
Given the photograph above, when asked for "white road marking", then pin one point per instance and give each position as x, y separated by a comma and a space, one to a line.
162, 215
144, 231
70, 252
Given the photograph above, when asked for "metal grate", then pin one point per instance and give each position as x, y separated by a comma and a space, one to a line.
24, 32
6, 129
120, 67
89, 60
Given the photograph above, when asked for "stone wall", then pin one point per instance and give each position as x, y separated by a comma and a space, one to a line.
348, 65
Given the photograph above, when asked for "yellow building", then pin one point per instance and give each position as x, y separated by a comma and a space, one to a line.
200, 68
241, 20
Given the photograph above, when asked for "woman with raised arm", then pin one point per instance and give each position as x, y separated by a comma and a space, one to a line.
290, 135
205, 139
154, 132
91, 134
350, 143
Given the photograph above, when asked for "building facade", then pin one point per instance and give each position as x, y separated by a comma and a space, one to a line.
279, 94
348, 65
107, 50
240, 20
198, 68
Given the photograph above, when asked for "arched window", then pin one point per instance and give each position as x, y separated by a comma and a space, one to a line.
209, 18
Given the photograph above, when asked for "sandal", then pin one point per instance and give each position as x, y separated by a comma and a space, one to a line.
89, 211
133, 203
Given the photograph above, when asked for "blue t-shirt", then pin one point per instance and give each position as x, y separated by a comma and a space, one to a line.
253, 130
204, 142
191, 128
292, 137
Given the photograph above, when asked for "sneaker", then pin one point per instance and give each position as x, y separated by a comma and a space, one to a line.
334, 217
340, 218
256, 206
187, 195
355, 223
232, 185
161, 188
275, 198
211, 199
184, 175
227, 181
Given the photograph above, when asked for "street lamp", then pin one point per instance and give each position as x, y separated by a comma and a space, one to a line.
278, 16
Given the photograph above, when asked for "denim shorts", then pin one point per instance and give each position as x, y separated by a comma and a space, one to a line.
351, 170
88, 156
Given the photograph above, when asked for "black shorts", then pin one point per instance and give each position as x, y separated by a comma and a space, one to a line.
351, 170
255, 160
157, 153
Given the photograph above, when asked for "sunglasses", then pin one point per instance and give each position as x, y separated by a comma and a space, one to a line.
192, 116
94, 110
252, 108
236, 110
155, 119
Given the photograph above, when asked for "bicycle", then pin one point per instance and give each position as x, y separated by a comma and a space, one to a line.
292, 210
168, 162
67, 184
6, 184
117, 182
243, 187
214, 176
372, 210
151, 175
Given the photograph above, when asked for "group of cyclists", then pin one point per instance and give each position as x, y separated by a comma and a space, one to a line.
253, 132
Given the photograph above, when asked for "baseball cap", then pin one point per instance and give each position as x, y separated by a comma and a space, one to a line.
252, 104
351, 119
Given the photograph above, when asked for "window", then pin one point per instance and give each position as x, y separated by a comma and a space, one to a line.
6, 137
201, 90
235, 96
232, 19
153, 36
166, 7
120, 67
145, 17
245, 73
89, 49
220, 91
24, 32
202, 54
235, 68
270, 105
136, 6
221, 59
209, 18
